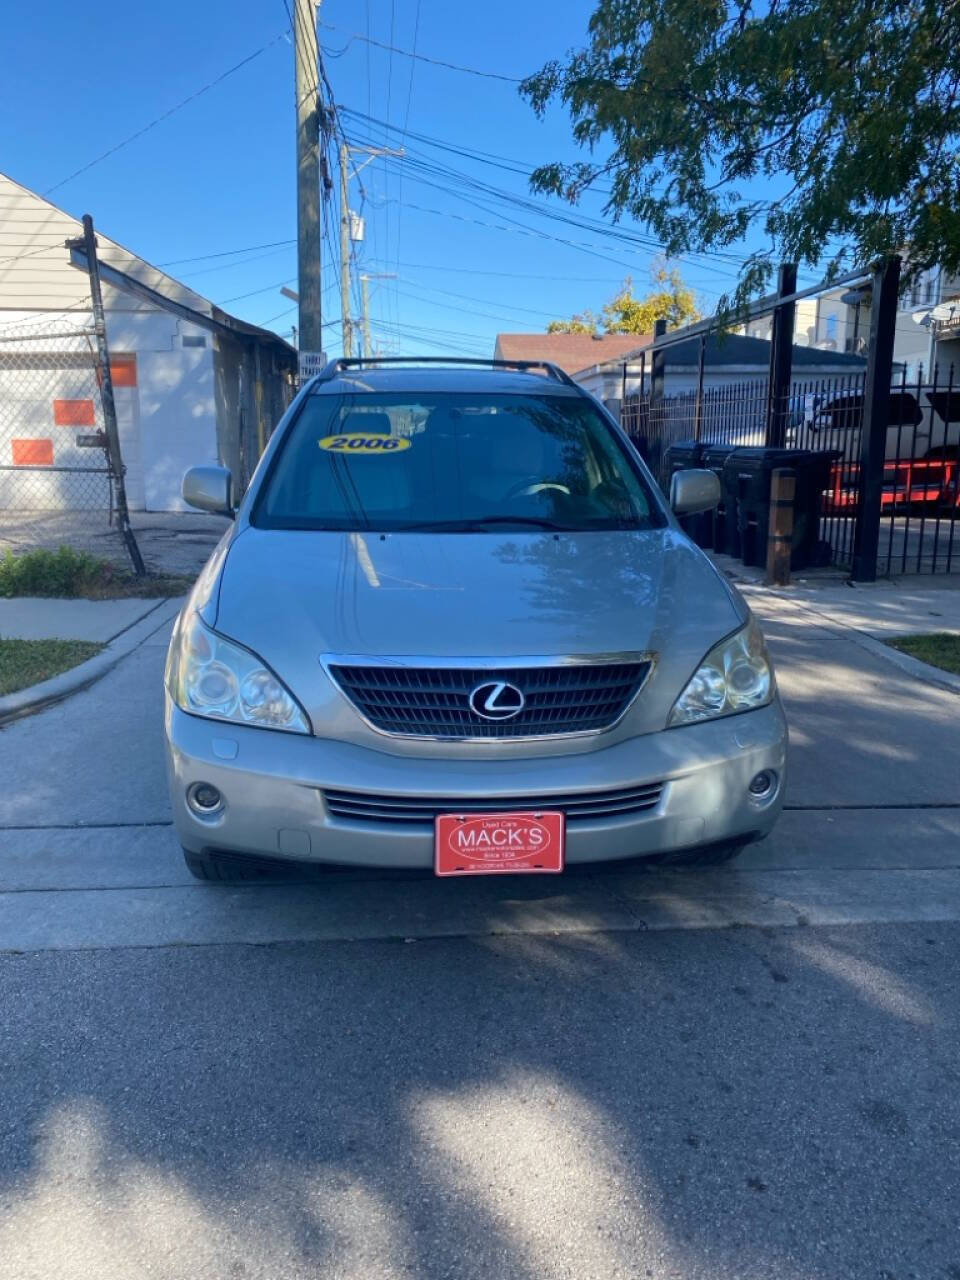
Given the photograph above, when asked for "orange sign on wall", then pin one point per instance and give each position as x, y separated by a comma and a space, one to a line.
32, 453
73, 413
123, 369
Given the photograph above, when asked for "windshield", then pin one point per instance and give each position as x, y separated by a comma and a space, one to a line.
453, 463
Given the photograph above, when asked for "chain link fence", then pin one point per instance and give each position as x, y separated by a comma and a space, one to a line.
57, 479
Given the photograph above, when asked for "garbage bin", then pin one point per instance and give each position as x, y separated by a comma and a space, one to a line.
683, 456
725, 537
746, 483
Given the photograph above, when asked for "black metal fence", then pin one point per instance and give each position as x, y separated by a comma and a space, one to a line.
888, 446
920, 491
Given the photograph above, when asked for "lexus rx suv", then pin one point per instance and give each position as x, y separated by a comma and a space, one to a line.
455, 625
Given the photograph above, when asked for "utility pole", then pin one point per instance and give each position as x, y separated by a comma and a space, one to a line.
365, 290
345, 249
306, 60
346, 231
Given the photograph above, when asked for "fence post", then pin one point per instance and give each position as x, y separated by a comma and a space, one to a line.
106, 396
698, 407
781, 358
783, 483
876, 413
658, 364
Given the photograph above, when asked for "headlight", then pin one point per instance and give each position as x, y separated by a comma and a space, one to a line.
210, 676
735, 676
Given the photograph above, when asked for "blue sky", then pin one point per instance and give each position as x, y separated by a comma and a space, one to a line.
218, 175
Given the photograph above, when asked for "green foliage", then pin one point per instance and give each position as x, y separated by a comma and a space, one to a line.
64, 572
585, 323
842, 115
670, 300
26, 662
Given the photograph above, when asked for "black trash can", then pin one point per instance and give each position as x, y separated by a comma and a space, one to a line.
684, 456
725, 537
746, 482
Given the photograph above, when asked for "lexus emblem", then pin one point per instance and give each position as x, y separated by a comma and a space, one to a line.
496, 700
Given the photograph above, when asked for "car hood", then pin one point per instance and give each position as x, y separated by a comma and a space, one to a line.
296, 597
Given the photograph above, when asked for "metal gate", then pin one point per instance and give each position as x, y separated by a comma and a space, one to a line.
891, 504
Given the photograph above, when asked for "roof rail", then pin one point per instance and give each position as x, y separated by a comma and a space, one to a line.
359, 362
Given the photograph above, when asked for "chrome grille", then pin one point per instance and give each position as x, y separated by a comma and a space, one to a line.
363, 806
435, 701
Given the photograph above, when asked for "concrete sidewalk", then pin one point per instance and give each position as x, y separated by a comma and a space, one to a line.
880, 609
121, 630
100, 621
868, 615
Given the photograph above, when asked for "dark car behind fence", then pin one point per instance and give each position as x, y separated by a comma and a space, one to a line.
891, 467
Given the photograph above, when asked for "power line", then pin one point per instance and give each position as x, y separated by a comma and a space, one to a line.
278, 284
386, 168
421, 57
455, 333
423, 335
517, 229
525, 203
227, 253
45, 248
232, 266
167, 114
459, 149
489, 315
510, 275
403, 135
492, 302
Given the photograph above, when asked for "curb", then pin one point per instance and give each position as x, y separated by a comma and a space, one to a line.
37, 696
912, 666
922, 671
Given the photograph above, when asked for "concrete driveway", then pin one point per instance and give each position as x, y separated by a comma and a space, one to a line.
737, 1073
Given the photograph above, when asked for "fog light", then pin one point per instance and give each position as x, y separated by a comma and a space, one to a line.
204, 798
763, 784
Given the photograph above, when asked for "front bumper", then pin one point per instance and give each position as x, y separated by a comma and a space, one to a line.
273, 783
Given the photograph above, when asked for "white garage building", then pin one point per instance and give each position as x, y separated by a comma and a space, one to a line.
192, 383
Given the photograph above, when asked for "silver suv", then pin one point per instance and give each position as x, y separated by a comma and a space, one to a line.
455, 625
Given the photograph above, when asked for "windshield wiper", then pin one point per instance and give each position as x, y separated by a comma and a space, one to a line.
536, 521
482, 522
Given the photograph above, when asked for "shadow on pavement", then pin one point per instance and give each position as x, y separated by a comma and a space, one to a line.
713, 1104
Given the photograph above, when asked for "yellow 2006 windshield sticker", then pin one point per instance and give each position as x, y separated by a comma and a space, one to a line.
361, 442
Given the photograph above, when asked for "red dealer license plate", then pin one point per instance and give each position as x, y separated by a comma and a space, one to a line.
478, 844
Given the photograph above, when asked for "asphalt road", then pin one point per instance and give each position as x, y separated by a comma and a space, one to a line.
740, 1073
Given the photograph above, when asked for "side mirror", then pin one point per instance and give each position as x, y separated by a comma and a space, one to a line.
693, 491
209, 489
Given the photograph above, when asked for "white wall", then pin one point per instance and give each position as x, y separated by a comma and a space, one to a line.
168, 422
607, 383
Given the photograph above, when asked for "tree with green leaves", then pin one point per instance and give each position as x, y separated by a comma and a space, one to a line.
832, 126
584, 322
670, 300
